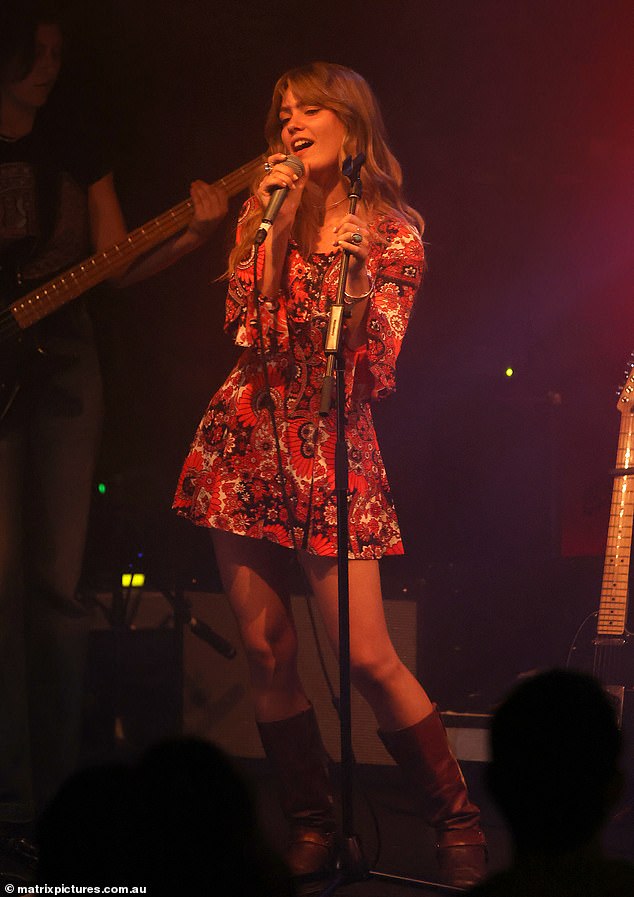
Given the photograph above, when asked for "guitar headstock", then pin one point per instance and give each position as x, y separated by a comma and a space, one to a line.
626, 393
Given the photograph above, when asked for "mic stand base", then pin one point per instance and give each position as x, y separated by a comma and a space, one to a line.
415, 882
353, 867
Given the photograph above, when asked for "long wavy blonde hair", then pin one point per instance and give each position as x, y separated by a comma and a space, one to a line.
349, 96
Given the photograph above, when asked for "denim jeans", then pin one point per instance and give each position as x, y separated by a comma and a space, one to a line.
47, 460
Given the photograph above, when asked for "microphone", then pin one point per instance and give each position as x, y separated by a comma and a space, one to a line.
276, 201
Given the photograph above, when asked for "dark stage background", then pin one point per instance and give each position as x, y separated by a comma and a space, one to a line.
512, 121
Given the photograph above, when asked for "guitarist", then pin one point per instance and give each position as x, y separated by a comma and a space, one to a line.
57, 205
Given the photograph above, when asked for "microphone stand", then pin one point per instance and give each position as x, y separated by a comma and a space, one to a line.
352, 865
183, 616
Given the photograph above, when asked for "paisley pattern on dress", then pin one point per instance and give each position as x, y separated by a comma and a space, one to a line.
231, 477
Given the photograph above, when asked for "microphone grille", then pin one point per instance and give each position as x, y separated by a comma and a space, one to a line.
295, 164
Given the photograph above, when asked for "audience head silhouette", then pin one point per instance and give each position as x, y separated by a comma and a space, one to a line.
181, 819
554, 769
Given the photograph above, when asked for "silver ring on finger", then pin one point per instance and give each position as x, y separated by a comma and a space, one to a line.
357, 239
268, 167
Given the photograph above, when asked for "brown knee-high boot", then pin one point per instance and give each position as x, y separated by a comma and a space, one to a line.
298, 758
423, 753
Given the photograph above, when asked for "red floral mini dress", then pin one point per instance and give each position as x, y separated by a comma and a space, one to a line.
231, 478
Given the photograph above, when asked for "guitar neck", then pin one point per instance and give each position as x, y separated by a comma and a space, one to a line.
614, 591
41, 302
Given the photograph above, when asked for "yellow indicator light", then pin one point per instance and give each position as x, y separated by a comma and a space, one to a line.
136, 580
509, 372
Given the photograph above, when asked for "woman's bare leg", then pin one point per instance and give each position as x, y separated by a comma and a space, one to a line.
394, 694
409, 727
253, 577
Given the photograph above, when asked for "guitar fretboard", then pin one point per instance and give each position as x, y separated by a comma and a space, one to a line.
614, 591
41, 302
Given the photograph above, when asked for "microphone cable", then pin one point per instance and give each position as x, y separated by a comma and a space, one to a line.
270, 404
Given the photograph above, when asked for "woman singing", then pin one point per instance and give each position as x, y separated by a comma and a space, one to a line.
260, 471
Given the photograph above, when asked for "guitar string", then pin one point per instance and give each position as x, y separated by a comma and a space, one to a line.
76, 280
156, 229
615, 576
80, 278
83, 277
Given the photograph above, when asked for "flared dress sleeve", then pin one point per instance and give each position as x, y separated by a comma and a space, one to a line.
397, 271
241, 314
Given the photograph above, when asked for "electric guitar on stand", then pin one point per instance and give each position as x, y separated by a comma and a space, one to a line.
26, 311
612, 647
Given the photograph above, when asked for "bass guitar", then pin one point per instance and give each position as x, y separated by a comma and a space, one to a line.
26, 311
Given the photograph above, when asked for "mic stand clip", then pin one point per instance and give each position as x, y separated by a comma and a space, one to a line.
338, 311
